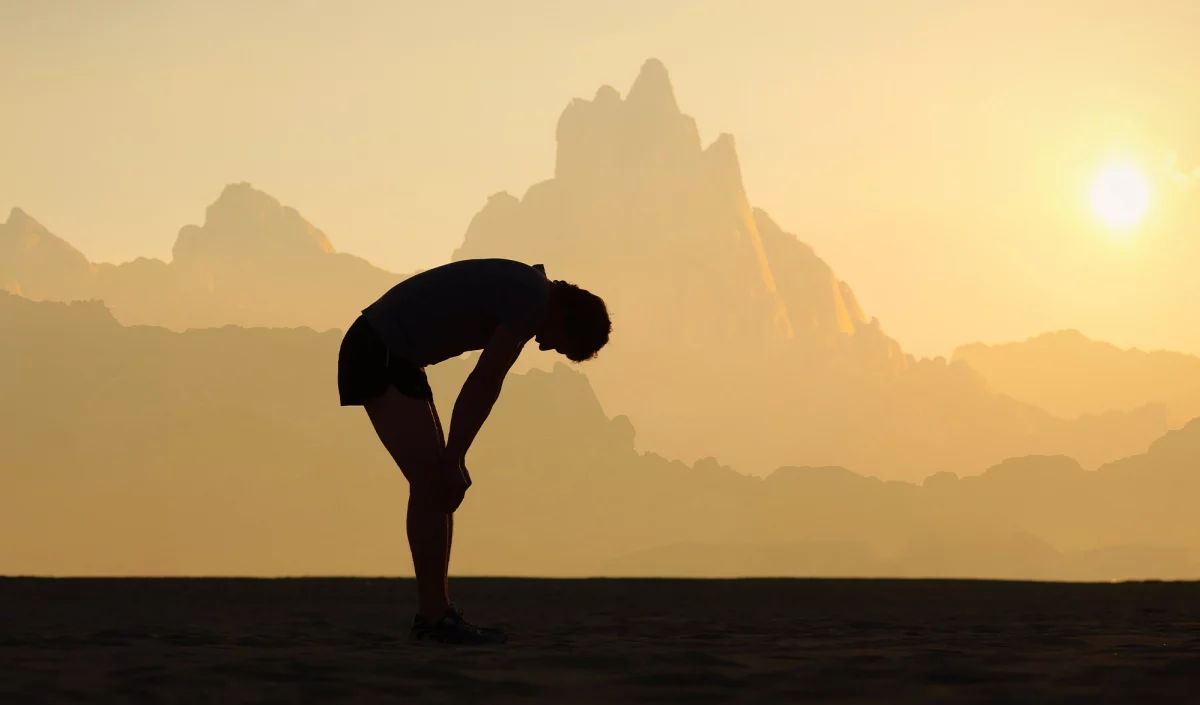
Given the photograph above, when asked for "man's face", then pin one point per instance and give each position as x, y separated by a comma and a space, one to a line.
552, 340
554, 337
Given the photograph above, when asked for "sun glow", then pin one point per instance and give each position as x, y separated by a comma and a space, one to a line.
1120, 196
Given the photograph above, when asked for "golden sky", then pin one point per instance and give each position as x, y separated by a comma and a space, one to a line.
937, 154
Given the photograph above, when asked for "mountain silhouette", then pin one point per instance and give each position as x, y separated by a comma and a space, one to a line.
732, 338
138, 450
1068, 374
37, 264
254, 262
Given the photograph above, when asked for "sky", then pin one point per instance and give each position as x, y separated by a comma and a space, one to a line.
937, 154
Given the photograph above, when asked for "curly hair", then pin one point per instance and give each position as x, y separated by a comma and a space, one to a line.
585, 320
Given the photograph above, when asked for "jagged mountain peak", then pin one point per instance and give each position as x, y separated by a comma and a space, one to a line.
652, 89
18, 218
38, 264
22, 225
247, 222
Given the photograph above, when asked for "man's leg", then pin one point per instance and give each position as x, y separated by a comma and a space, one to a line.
411, 431
449, 517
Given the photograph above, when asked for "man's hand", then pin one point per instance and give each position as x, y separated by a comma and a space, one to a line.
455, 481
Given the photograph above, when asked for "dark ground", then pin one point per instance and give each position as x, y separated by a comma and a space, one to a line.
601, 641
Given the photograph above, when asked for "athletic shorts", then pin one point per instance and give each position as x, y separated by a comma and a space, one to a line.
366, 367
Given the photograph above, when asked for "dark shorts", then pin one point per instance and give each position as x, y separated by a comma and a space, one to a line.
366, 368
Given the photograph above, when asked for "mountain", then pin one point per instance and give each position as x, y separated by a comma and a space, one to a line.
663, 229
37, 264
1069, 374
731, 337
135, 450
254, 262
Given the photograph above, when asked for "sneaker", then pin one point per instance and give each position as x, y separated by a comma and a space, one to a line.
453, 629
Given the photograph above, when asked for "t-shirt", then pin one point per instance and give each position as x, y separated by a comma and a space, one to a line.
446, 311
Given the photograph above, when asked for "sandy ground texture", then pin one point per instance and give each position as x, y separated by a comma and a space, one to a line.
601, 641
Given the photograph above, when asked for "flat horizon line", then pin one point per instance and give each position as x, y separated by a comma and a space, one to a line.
597, 578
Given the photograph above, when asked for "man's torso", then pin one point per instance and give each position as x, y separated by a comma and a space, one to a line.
446, 311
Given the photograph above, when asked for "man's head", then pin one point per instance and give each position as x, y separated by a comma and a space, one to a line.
577, 323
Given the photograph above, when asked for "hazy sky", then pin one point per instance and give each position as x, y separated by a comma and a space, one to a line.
937, 154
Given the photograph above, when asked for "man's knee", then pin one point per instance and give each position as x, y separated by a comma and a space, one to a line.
424, 490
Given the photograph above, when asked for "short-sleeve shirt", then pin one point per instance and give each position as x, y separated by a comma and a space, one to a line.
446, 311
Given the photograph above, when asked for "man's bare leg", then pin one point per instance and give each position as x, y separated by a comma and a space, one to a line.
449, 517
428, 539
411, 432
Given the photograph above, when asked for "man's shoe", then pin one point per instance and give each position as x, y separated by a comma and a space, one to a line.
453, 629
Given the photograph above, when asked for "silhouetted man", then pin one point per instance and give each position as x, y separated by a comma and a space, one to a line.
493, 305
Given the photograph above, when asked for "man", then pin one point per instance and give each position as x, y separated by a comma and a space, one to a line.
493, 305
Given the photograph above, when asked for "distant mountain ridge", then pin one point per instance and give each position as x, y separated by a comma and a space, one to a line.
37, 264
254, 262
636, 199
141, 451
1069, 374
731, 339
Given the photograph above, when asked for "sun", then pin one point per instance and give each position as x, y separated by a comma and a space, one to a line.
1120, 196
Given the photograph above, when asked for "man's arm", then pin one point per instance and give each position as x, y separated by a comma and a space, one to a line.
480, 391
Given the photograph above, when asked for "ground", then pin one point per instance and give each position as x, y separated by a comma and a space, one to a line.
601, 641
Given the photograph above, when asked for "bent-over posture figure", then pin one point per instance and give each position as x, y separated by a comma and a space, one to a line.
493, 305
